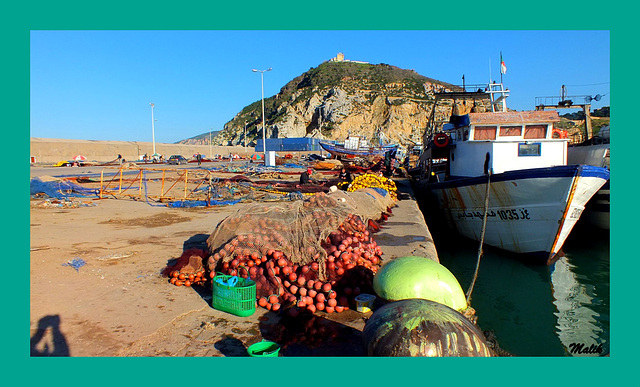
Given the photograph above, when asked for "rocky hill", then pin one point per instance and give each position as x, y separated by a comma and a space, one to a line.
338, 98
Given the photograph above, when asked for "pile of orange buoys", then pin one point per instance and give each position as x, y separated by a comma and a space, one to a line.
188, 269
329, 283
179, 278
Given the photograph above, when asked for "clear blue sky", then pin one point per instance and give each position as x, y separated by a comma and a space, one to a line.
97, 85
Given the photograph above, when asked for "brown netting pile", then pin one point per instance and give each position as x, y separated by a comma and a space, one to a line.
318, 254
188, 269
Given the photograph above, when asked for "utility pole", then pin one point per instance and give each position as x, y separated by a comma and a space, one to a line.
153, 130
264, 141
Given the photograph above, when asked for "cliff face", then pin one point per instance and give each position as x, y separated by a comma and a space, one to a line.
338, 98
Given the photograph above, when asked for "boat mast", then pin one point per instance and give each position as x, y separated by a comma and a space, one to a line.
498, 95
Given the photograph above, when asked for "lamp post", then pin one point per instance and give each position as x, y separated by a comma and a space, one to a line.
264, 141
210, 145
245, 139
153, 130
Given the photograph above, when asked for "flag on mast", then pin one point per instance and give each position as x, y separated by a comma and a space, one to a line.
503, 67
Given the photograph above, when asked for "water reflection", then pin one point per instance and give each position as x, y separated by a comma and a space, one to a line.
536, 310
581, 294
512, 299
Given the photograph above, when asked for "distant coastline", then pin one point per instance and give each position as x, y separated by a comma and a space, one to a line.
53, 150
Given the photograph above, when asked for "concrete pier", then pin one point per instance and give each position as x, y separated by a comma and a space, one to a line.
405, 232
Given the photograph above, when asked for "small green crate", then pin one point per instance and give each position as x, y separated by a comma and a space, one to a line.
239, 299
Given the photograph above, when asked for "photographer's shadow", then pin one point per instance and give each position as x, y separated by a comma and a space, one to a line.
48, 340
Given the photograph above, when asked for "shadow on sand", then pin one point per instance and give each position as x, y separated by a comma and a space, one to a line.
48, 340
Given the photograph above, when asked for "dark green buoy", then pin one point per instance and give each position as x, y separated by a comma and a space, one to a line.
418, 327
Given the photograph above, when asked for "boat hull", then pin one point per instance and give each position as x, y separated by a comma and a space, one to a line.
597, 211
371, 153
530, 212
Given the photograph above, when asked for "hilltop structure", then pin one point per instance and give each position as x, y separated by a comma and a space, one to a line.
340, 58
338, 98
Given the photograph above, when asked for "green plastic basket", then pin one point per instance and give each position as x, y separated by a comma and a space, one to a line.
239, 299
264, 349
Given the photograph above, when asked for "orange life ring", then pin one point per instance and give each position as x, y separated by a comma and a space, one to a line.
557, 133
441, 140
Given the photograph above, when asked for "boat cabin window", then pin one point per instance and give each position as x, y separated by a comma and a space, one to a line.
485, 133
535, 131
529, 149
462, 135
506, 131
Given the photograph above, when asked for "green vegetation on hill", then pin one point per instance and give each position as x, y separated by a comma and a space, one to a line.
366, 76
597, 123
201, 137
579, 115
371, 80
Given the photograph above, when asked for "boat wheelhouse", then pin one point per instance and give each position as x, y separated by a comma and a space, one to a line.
500, 141
502, 178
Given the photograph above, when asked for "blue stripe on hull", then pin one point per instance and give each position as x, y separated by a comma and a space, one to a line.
556, 182
535, 173
372, 151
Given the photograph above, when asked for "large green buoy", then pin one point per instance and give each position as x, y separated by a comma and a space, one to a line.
419, 277
418, 327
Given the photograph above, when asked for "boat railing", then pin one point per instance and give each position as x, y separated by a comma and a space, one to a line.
563, 100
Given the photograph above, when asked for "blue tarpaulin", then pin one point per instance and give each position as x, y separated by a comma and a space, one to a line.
76, 263
60, 189
201, 203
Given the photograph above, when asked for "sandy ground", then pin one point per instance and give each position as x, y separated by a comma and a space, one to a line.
118, 304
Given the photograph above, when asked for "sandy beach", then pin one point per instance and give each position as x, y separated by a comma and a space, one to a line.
118, 303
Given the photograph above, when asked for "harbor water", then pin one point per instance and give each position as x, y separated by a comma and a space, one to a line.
537, 310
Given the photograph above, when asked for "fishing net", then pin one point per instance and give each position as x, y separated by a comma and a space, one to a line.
188, 269
370, 180
299, 252
367, 203
43, 187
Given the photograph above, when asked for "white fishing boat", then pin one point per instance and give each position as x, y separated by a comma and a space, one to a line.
510, 168
595, 151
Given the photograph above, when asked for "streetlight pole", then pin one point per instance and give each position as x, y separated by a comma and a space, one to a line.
245, 139
264, 140
210, 145
153, 130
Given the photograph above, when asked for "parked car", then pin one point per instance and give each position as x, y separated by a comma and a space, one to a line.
315, 157
69, 163
176, 160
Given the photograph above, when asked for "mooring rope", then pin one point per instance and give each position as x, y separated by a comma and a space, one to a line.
484, 227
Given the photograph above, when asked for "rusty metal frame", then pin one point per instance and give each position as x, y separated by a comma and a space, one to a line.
118, 185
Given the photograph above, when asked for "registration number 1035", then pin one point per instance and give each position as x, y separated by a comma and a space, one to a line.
513, 214
502, 214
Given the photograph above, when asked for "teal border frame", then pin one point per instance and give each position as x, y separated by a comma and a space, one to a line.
19, 18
